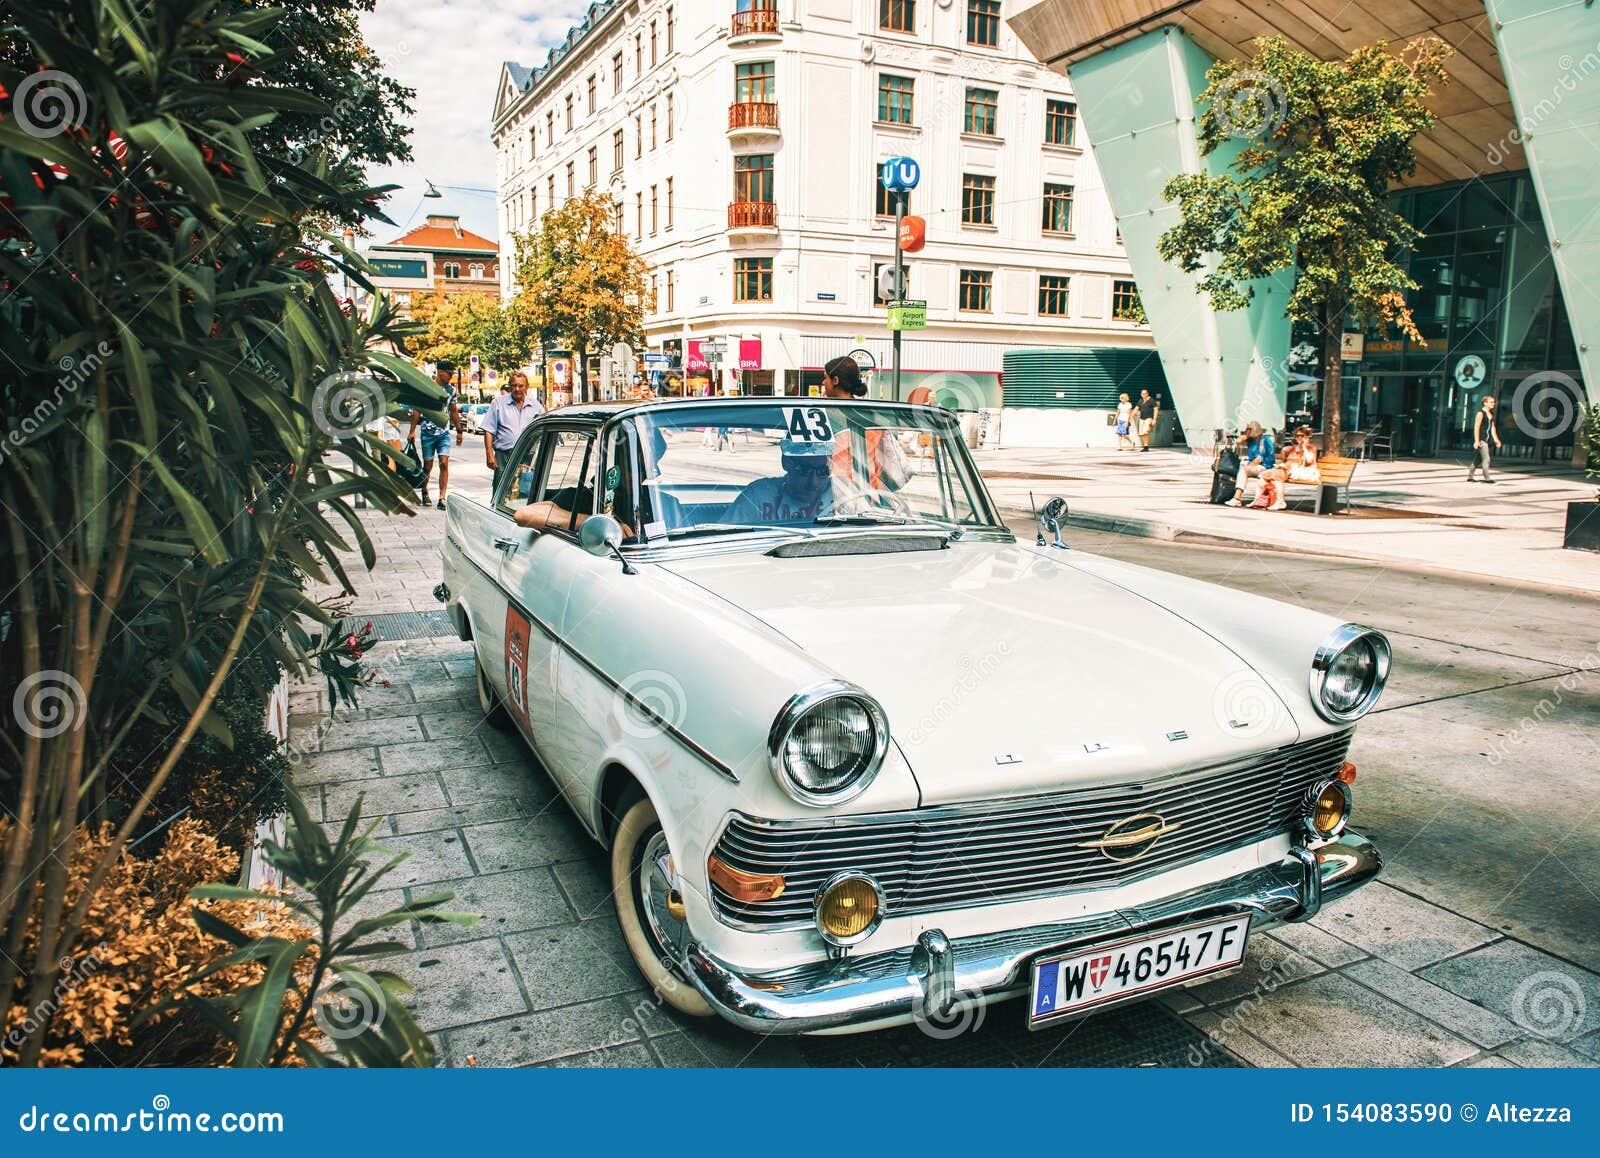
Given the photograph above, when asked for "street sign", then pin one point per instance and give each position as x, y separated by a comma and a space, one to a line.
900, 174
1351, 345
658, 359
905, 315
825, 296
913, 234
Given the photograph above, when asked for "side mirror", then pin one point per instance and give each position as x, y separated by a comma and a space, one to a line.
1051, 516
602, 535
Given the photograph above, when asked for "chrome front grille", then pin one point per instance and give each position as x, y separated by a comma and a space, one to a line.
946, 857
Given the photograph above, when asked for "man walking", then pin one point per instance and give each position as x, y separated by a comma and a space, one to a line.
1149, 411
1483, 433
503, 423
435, 440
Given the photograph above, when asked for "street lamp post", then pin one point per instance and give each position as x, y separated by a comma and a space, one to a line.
899, 176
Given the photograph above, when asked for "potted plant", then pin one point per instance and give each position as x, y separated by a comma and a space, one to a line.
1583, 518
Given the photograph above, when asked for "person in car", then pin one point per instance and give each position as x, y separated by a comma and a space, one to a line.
801, 494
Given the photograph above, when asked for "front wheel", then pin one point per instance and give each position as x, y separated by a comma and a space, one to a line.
644, 882
494, 708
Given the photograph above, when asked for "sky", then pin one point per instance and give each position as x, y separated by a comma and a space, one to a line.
450, 52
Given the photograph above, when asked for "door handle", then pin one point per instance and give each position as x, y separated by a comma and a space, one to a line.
504, 543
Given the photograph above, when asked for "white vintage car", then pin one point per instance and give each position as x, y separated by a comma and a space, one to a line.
861, 756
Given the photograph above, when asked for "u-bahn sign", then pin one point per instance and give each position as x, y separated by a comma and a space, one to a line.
900, 174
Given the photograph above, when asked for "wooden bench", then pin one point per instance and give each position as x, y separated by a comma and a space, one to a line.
1336, 474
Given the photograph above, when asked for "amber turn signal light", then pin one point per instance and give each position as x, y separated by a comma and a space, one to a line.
743, 886
1347, 773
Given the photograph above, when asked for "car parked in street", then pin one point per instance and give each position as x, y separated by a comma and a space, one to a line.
861, 756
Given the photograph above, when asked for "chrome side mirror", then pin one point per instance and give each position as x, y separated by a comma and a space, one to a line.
1051, 516
601, 535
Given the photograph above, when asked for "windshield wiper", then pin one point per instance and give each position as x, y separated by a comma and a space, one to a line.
886, 519
726, 529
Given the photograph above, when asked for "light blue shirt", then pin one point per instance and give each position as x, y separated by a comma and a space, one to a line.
505, 421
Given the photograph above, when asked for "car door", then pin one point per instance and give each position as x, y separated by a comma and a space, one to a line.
536, 570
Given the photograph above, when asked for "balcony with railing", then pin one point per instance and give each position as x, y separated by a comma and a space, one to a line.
751, 24
753, 217
753, 119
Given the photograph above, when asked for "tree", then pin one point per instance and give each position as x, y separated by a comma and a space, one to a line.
582, 279
1326, 142
504, 337
177, 372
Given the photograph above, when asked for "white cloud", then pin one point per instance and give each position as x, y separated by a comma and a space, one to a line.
450, 52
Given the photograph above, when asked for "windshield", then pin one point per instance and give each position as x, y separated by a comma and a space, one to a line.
714, 469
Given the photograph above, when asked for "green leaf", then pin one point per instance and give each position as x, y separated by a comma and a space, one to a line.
166, 140
260, 1015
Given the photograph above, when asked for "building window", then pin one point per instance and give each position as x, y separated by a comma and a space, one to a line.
669, 53
671, 295
894, 98
877, 272
591, 94
655, 205
1052, 295
451, 269
977, 199
669, 115
669, 204
533, 143
1057, 209
653, 56
616, 150
1125, 302
616, 74
550, 127
551, 189
638, 134
569, 112
1060, 122
897, 15
883, 200
982, 111
594, 165
638, 54
533, 204
752, 177
572, 187
653, 123
754, 83
638, 215
475, 270
752, 279
983, 22
976, 285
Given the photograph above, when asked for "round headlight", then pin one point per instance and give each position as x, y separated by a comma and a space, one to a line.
828, 743
1328, 809
849, 906
1349, 672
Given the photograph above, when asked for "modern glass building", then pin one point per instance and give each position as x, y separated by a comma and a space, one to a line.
1505, 192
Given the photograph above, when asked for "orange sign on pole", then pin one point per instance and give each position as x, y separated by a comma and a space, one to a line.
913, 233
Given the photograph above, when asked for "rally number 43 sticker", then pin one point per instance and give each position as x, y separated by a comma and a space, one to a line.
808, 424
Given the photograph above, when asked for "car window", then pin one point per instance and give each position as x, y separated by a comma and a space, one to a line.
619, 495
566, 482
520, 488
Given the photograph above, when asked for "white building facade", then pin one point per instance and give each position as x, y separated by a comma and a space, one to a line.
742, 140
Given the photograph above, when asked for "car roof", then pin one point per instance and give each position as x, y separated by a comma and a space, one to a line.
601, 411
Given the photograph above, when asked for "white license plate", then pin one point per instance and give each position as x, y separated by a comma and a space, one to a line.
1071, 984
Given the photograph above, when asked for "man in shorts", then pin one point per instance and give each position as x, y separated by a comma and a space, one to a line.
1149, 410
434, 441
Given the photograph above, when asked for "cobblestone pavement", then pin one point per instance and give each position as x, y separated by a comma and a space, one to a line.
1410, 971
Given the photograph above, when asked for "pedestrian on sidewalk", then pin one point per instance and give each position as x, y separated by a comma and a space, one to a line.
1483, 433
503, 422
1125, 423
435, 440
1149, 411
1256, 457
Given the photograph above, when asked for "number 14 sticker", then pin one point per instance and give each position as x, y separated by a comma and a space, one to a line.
808, 424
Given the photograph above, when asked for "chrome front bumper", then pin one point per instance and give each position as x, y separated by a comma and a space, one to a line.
924, 980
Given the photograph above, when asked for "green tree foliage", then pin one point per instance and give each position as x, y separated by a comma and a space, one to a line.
1325, 142
505, 337
177, 373
580, 278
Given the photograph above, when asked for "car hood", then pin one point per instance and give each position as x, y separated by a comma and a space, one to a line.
1005, 670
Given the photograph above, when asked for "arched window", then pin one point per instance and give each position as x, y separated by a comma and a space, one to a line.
451, 269
476, 269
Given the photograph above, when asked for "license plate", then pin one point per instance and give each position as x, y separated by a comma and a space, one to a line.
1064, 985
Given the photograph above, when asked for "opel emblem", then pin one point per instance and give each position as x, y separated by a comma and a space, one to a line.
1131, 838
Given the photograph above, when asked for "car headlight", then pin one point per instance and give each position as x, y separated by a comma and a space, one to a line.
1348, 673
828, 743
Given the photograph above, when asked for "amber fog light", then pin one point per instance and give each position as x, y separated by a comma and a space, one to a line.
1329, 809
849, 907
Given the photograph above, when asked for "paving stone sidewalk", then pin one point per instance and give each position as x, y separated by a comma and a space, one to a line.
1386, 978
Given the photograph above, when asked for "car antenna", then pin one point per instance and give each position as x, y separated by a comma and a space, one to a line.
1037, 529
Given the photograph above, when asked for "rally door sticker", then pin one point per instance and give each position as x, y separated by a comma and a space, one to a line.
518, 631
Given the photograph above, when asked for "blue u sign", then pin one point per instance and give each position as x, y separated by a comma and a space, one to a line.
899, 174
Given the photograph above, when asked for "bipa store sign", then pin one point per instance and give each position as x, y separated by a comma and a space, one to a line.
749, 353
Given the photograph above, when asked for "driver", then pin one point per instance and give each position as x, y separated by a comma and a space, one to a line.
802, 494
